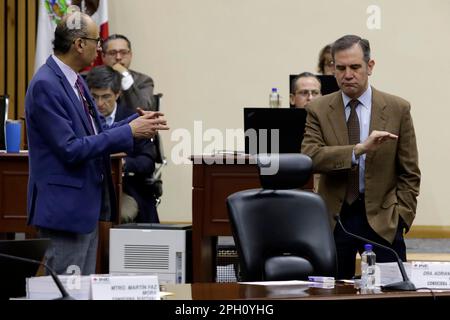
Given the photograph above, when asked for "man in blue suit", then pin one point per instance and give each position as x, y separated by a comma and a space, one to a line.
138, 199
70, 186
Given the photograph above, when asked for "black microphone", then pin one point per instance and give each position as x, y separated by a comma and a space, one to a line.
406, 284
65, 295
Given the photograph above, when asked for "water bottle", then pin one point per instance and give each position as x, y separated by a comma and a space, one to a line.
368, 268
275, 99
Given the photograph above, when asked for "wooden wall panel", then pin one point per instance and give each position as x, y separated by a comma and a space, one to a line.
21, 76
2, 46
11, 31
18, 28
31, 37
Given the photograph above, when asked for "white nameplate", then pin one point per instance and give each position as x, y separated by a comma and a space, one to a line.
144, 287
431, 274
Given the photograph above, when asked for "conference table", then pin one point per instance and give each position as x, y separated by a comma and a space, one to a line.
343, 300
13, 200
285, 290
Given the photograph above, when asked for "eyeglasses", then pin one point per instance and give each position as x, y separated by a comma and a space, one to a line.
329, 63
99, 40
113, 53
306, 93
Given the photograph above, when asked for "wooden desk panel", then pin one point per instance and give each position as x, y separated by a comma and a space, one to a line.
212, 183
13, 192
13, 200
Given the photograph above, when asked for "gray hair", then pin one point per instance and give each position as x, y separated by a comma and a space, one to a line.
347, 42
71, 27
104, 77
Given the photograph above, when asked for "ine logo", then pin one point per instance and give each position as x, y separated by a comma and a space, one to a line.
374, 19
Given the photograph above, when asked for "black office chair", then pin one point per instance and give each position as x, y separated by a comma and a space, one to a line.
155, 181
282, 234
4, 102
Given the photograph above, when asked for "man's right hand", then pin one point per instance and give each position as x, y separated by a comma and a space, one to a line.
147, 125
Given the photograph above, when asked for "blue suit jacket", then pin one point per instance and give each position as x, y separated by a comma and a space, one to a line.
68, 166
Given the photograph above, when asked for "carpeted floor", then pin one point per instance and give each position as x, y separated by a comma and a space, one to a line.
427, 245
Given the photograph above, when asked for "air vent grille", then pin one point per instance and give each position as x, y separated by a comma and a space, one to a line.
146, 257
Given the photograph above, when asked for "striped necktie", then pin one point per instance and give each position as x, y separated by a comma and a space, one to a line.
353, 138
86, 107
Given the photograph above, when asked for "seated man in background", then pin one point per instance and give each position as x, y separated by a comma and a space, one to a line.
138, 201
137, 88
304, 88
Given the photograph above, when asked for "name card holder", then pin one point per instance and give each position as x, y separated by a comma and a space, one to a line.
136, 287
431, 274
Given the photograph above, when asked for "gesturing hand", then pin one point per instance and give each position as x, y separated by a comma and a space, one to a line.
375, 139
147, 125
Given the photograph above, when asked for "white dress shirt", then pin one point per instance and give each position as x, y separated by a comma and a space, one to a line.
110, 119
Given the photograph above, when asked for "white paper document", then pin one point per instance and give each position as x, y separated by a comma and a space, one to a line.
44, 288
143, 287
278, 283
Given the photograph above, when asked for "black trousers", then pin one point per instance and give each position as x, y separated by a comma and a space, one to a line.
354, 219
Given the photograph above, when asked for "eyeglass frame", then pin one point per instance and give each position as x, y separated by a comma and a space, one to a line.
306, 93
99, 40
328, 63
122, 52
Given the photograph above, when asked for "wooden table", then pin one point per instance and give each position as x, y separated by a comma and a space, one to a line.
13, 200
230, 291
214, 179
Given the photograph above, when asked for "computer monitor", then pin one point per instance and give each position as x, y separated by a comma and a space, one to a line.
328, 84
290, 123
15, 272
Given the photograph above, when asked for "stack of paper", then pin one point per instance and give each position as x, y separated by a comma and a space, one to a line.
96, 287
390, 272
44, 288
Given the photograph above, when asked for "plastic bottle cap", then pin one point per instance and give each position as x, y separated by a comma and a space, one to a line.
274, 89
368, 247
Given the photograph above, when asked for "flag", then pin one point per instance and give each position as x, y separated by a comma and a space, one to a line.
101, 19
52, 11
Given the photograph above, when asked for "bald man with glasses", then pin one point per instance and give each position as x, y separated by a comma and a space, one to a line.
137, 88
70, 184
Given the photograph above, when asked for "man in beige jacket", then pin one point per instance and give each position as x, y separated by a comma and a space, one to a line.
363, 144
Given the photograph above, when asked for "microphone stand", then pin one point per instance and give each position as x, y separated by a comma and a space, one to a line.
65, 295
406, 284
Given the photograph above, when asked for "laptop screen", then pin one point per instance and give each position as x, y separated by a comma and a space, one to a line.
15, 272
273, 130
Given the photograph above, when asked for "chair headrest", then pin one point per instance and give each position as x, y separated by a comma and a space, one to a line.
284, 171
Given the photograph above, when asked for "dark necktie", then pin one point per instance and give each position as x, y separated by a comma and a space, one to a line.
353, 138
86, 107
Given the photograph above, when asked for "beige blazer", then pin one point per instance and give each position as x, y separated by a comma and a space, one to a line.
392, 175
